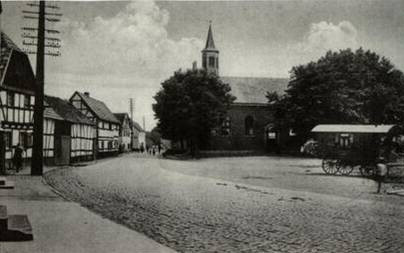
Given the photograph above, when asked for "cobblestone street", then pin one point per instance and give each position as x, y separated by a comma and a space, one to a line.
198, 214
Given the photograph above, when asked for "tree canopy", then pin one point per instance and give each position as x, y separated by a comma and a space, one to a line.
341, 87
189, 105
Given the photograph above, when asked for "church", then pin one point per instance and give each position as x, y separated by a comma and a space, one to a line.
249, 123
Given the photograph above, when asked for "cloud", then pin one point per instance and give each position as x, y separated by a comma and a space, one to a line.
134, 42
130, 52
324, 36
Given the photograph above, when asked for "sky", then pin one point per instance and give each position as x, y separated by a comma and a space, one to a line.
118, 50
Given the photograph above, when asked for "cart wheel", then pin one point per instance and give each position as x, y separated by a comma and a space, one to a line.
367, 170
345, 169
329, 166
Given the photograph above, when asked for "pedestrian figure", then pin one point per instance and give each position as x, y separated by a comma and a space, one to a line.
159, 149
141, 147
154, 150
17, 159
381, 171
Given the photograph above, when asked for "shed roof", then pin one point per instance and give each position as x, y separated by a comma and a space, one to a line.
99, 108
339, 128
67, 111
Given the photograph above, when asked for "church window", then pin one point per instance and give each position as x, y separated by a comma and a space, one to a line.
204, 62
217, 62
212, 61
225, 127
249, 125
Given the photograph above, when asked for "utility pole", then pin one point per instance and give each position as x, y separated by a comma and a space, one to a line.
144, 124
131, 108
41, 43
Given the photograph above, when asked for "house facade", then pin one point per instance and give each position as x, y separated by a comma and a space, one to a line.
17, 98
136, 132
74, 134
107, 125
125, 132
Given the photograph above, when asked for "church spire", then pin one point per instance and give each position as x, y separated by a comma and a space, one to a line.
210, 43
210, 55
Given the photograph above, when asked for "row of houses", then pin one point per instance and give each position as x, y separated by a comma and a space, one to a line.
79, 129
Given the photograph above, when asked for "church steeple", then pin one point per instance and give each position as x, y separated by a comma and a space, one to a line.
210, 55
210, 43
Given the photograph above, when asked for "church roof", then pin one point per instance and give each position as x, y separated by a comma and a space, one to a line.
254, 89
98, 107
67, 111
210, 43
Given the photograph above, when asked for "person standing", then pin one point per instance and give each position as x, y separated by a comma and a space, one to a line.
17, 159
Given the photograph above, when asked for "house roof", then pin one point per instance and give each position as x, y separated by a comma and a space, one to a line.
49, 113
67, 111
6, 49
339, 128
99, 108
254, 89
136, 125
121, 116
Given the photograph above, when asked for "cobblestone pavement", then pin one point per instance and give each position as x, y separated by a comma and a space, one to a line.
198, 214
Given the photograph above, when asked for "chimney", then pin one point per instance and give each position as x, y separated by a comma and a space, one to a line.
87, 94
194, 65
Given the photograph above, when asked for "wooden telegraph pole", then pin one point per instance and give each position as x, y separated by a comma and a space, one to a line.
41, 43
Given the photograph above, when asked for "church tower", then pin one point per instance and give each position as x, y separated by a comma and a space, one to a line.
210, 55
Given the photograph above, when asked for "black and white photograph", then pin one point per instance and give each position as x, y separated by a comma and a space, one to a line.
207, 126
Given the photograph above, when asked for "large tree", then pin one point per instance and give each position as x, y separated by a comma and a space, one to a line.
189, 105
341, 87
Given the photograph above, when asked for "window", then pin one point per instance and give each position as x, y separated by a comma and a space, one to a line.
10, 98
271, 135
26, 139
344, 140
204, 62
249, 125
212, 61
26, 101
225, 127
7, 140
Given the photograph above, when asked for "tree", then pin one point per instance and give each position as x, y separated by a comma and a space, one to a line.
189, 105
341, 87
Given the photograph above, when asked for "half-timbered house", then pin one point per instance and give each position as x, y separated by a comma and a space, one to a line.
107, 125
17, 87
125, 132
74, 133
50, 119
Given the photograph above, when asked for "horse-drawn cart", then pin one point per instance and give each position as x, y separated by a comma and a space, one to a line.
344, 147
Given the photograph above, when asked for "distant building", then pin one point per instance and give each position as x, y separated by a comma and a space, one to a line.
125, 132
137, 136
107, 124
248, 124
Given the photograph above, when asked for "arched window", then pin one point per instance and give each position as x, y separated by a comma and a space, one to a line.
226, 126
249, 125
